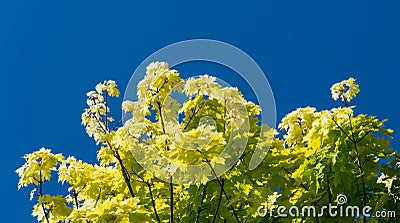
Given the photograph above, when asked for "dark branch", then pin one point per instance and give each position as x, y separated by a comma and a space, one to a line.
41, 195
201, 202
171, 219
151, 195
223, 190
219, 202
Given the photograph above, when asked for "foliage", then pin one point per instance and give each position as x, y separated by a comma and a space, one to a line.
323, 154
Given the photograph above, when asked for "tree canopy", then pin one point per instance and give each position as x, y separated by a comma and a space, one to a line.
174, 160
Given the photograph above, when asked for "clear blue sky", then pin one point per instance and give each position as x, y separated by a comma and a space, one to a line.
52, 52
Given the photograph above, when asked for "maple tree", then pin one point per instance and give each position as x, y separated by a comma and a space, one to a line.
144, 164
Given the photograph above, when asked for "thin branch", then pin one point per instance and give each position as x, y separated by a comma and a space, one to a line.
352, 157
161, 116
41, 195
99, 118
76, 198
341, 129
106, 118
357, 160
153, 202
345, 102
359, 140
223, 190
98, 197
201, 202
151, 195
125, 173
162, 86
219, 202
191, 117
366, 159
323, 195
171, 218
224, 115
360, 168
118, 124
301, 184
328, 189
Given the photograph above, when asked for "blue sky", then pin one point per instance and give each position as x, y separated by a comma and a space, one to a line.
52, 52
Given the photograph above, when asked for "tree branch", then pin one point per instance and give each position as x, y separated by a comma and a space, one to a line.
201, 202
223, 190
106, 118
98, 197
151, 195
219, 202
359, 140
195, 111
153, 202
341, 129
360, 168
171, 219
161, 116
117, 124
357, 160
76, 198
125, 173
41, 195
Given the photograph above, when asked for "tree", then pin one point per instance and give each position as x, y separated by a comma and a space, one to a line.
333, 154
144, 171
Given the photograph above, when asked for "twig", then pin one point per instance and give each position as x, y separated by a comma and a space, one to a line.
76, 198
151, 195
161, 116
201, 202
195, 111
98, 197
41, 195
125, 173
360, 168
219, 202
223, 190
341, 128
153, 202
359, 140
171, 219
